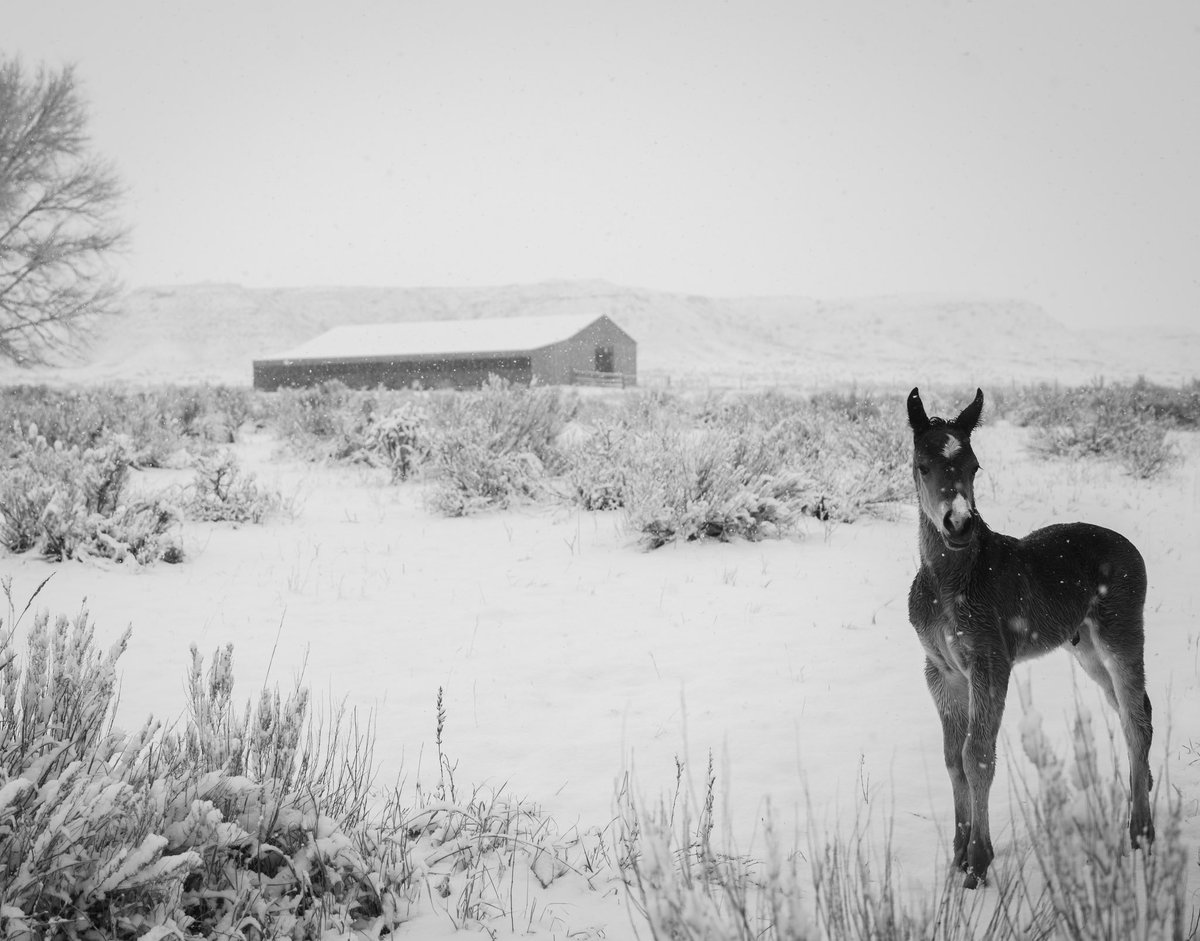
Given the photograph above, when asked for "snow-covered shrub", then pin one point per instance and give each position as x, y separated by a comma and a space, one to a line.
397, 440
855, 467
212, 414
596, 466
380, 427
709, 484
1126, 424
321, 413
747, 466
491, 447
253, 822
265, 742
472, 477
76, 842
107, 834
1137, 443
222, 491
142, 530
88, 417
72, 417
70, 501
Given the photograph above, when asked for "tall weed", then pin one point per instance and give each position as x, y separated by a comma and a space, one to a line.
1087, 882
1074, 876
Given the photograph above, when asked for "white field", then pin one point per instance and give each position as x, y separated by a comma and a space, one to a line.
570, 656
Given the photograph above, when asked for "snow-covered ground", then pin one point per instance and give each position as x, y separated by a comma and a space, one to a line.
569, 656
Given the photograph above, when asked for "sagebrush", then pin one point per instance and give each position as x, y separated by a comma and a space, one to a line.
68, 502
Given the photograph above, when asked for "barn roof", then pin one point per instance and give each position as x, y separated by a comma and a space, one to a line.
487, 336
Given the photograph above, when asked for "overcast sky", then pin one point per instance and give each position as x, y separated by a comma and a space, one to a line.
1043, 150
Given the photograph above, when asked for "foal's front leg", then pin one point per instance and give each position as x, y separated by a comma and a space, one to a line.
950, 696
987, 689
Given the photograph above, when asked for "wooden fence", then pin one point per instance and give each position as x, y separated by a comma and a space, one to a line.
590, 377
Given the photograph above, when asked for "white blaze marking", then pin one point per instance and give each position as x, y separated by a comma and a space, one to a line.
960, 510
951, 447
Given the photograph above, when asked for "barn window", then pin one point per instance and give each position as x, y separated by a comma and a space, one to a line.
604, 359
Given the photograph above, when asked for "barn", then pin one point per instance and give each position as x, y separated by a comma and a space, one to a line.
459, 354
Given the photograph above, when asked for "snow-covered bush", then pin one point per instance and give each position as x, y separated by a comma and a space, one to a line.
381, 427
222, 491
494, 446
1123, 423
316, 410
472, 477
1139, 446
255, 821
69, 501
325, 420
596, 466
749, 467
212, 414
156, 422
857, 467
709, 485
190, 833
398, 439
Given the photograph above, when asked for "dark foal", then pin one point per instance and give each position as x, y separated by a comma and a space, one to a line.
982, 601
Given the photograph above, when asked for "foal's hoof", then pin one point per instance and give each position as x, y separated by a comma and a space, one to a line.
975, 862
1142, 838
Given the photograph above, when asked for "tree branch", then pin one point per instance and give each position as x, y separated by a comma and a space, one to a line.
58, 223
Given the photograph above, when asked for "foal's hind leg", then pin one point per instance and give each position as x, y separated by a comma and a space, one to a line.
1083, 647
1115, 641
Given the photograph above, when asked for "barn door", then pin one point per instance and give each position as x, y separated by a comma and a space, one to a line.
604, 359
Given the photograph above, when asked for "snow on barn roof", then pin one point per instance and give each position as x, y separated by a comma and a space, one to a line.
491, 336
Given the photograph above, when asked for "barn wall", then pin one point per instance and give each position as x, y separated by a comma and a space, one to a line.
358, 374
553, 364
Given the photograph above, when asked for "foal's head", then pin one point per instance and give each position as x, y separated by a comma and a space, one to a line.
944, 469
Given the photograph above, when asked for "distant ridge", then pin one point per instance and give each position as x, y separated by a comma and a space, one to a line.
211, 332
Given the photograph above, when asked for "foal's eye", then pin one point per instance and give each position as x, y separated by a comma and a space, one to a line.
923, 468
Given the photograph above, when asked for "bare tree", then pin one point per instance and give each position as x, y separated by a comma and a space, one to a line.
58, 225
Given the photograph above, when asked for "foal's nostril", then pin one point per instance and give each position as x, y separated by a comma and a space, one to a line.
959, 528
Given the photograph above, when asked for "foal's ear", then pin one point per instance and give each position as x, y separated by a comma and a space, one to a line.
917, 419
968, 418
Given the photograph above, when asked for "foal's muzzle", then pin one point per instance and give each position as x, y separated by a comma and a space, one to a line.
956, 534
